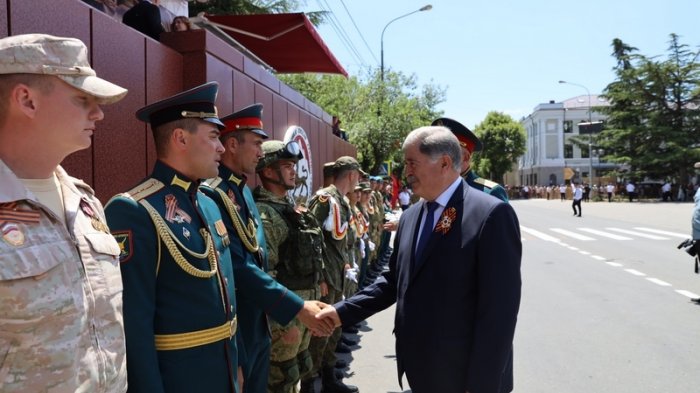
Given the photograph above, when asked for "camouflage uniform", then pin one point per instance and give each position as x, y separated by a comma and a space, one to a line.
295, 257
62, 327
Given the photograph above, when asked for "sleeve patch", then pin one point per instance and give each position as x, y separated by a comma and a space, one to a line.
126, 247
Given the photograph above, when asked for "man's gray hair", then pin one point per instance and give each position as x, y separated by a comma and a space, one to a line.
435, 141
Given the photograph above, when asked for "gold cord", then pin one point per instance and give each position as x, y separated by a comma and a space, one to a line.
246, 234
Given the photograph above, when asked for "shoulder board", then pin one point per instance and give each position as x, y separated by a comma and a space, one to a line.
213, 183
81, 184
486, 182
143, 190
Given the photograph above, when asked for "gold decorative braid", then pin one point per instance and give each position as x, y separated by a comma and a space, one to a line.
247, 234
169, 342
171, 243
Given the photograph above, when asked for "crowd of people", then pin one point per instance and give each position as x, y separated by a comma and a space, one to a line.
605, 192
191, 281
147, 16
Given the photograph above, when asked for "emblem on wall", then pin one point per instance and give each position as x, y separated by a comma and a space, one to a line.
304, 187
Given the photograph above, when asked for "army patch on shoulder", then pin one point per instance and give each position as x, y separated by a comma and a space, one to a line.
323, 198
124, 239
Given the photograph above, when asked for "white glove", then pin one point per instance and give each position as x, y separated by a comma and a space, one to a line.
372, 246
362, 248
351, 274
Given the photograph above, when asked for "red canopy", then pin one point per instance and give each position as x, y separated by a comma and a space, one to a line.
289, 43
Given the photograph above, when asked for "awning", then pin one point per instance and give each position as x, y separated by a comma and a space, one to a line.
289, 43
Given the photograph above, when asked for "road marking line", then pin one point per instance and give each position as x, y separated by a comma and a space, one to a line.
635, 272
675, 234
584, 252
614, 264
658, 282
605, 234
597, 257
539, 234
689, 294
572, 248
571, 234
652, 237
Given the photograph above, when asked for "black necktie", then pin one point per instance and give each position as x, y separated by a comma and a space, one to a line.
427, 228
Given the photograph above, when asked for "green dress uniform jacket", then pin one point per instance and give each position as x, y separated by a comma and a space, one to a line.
333, 214
490, 187
258, 294
179, 299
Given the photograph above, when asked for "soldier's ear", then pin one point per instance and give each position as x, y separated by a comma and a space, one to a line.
179, 138
24, 98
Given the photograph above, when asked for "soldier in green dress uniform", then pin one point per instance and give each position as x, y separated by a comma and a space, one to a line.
179, 301
333, 214
258, 294
470, 144
295, 255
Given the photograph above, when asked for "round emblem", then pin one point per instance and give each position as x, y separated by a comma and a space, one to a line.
304, 167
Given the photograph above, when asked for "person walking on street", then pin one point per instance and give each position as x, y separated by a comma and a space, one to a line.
630, 188
61, 324
562, 192
610, 189
577, 197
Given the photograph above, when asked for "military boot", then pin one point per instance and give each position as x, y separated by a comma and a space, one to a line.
333, 385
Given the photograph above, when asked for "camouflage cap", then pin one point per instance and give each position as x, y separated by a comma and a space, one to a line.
277, 150
345, 163
66, 58
365, 187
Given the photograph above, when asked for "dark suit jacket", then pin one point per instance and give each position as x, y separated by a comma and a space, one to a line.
144, 17
456, 310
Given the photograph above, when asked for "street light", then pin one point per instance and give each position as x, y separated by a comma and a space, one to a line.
424, 8
590, 135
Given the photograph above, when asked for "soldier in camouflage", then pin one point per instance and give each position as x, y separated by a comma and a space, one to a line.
295, 256
333, 214
61, 326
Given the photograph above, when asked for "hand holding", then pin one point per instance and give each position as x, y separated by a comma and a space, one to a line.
330, 315
307, 316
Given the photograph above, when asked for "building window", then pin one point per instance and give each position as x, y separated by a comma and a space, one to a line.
568, 126
584, 151
568, 151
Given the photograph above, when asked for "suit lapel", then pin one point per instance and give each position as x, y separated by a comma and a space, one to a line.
436, 237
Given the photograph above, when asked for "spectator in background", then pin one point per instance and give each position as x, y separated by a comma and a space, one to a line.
577, 192
404, 198
562, 192
145, 17
630, 191
181, 23
610, 189
666, 192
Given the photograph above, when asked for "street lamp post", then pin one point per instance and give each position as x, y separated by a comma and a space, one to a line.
424, 8
590, 134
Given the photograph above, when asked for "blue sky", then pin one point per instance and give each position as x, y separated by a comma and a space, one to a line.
505, 55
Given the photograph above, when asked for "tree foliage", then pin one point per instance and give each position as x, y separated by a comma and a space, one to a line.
504, 142
248, 7
376, 115
653, 121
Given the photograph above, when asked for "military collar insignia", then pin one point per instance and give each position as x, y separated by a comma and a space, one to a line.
176, 181
447, 218
238, 181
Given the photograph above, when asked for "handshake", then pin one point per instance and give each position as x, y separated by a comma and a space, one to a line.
319, 317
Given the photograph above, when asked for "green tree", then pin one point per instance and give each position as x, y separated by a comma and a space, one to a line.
654, 122
504, 142
246, 7
357, 100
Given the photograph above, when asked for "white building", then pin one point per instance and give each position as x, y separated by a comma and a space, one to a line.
551, 156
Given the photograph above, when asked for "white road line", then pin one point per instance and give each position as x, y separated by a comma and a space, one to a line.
652, 237
539, 234
614, 264
658, 282
584, 252
689, 294
572, 248
597, 257
674, 234
605, 234
571, 234
635, 272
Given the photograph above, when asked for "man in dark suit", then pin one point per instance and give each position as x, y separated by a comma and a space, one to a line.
454, 275
144, 17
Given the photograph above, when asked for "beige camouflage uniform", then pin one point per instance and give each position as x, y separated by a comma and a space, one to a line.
61, 327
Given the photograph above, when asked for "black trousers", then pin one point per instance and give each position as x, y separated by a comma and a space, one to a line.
577, 202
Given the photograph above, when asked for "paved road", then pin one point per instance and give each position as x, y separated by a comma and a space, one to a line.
605, 304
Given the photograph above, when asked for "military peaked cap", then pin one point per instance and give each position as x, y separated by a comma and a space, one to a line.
246, 119
195, 103
466, 138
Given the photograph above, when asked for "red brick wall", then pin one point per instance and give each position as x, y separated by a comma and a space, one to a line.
122, 152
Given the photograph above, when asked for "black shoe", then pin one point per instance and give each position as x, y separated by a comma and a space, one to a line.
348, 341
331, 384
340, 363
350, 329
307, 386
579, 215
342, 348
696, 300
